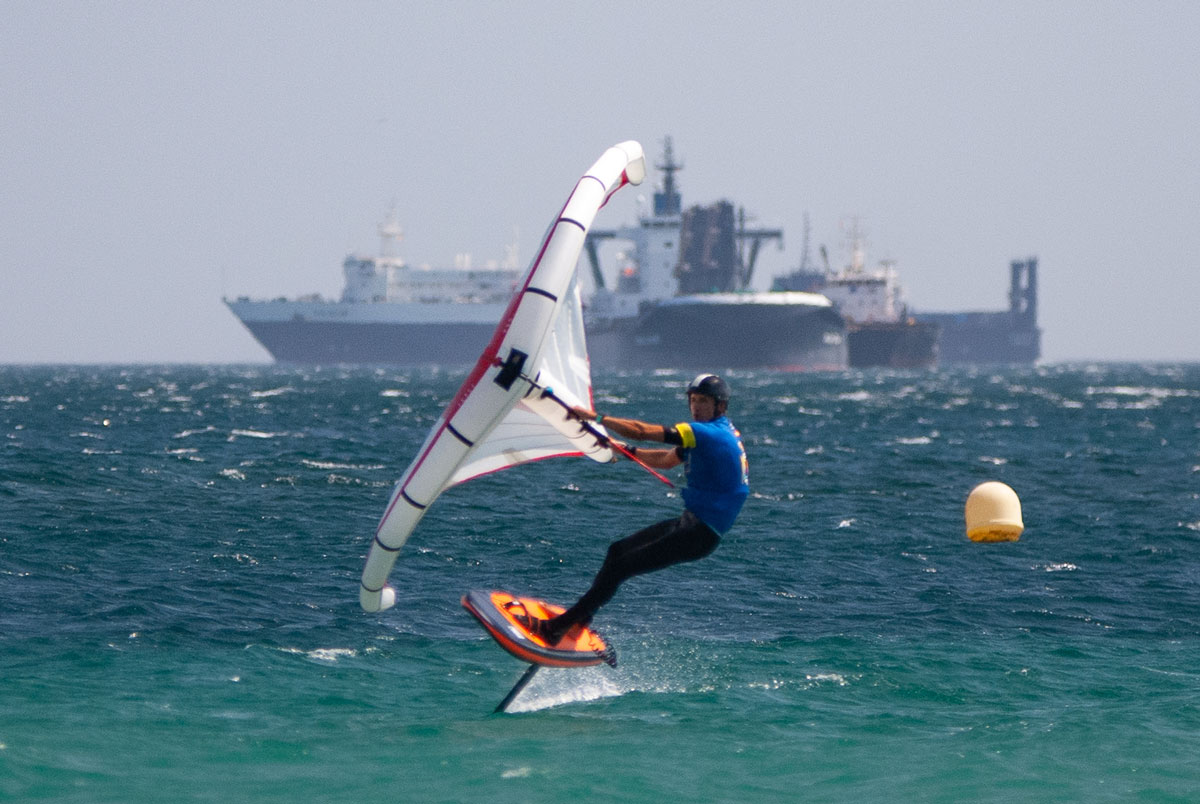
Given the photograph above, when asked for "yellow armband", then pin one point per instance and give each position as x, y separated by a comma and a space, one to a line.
685, 432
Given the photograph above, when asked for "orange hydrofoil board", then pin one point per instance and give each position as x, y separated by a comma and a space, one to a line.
500, 613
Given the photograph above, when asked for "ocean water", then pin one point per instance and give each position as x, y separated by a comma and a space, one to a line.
180, 550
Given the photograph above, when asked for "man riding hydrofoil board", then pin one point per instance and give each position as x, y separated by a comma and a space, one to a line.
717, 471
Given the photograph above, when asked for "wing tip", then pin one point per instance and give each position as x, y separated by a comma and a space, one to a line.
376, 600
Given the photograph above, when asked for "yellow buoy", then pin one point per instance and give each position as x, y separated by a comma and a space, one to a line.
993, 513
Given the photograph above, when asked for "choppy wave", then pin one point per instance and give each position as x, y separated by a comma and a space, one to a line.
181, 548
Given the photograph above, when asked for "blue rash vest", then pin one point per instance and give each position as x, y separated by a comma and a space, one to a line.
718, 474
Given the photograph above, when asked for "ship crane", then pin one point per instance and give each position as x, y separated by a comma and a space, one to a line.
755, 237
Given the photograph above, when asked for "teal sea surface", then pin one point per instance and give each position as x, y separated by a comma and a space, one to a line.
180, 549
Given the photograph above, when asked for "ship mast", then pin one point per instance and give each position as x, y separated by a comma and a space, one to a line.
664, 220
855, 239
805, 256
668, 201
391, 233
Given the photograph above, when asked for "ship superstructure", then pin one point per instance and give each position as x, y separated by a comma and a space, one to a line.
681, 299
881, 332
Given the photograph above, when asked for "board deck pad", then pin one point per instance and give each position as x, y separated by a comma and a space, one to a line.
497, 612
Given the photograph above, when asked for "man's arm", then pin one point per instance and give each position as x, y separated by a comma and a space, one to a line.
642, 431
656, 458
629, 428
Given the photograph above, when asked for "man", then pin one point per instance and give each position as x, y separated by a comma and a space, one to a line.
714, 462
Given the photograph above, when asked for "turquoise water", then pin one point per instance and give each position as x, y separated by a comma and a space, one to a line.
180, 549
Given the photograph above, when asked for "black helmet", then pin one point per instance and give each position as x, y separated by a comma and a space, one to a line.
710, 385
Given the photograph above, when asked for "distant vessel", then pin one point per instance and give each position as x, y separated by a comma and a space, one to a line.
1007, 336
388, 313
880, 332
680, 298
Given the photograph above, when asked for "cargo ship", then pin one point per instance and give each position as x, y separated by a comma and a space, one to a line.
389, 312
681, 298
880, 331
1009, 336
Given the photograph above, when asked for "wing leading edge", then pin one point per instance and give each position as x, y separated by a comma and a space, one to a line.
500, 417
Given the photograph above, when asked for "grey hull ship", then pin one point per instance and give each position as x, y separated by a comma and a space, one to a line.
882, 331
389, 313
879, 330
680, 297
1009, 336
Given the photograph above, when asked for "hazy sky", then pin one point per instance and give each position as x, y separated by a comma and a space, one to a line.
156, 156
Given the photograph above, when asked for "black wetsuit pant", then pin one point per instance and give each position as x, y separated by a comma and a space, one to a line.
672, 541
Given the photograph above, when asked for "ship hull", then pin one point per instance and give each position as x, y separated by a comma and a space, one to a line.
1007, 337
687, 332
985, 338
901, 345
331, 333
392, 344
700, 332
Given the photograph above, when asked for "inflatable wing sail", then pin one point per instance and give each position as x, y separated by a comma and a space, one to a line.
502, 415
